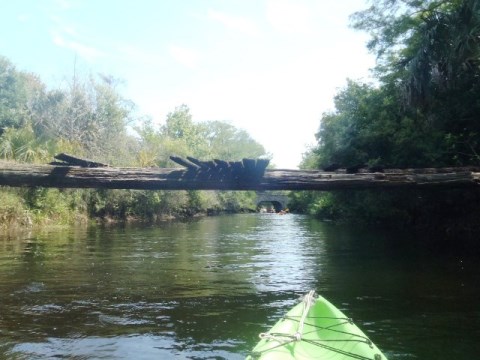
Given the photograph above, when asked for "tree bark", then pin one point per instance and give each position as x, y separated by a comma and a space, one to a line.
30, 175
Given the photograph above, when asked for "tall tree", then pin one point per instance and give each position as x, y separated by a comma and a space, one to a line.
181, 135
227, 142
431, 49
424, 110
16, 91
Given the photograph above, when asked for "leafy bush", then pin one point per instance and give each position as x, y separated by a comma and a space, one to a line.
12, 209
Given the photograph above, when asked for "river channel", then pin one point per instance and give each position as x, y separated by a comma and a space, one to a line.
205, 289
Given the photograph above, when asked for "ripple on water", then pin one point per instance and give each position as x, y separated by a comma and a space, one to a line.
206, 289
118, 347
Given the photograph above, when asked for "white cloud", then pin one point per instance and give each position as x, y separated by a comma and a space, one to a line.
138, 55
67, 36
289, 16
89, 53
186, 57
23, 18
66, 4
59, 24
237, 23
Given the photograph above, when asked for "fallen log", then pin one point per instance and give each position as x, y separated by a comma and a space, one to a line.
66, 176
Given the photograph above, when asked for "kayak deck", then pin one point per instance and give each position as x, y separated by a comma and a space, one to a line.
315, 329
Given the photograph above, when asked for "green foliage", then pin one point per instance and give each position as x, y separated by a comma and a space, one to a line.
51, 205
13, 96
430, 50
89, 118
370, 127
423, 112
22, 145
309, 159
234, 201
181, 136
226, 142
12, 209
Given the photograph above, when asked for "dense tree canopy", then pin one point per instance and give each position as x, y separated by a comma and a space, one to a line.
423, 110
430, 51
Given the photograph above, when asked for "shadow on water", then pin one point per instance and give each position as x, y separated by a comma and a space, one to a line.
204, 289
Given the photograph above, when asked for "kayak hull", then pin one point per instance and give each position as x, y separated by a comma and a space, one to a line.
315, 329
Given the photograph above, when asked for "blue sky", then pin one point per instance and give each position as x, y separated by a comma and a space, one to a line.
271, 67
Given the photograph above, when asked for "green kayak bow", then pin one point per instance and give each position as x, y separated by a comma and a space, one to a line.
315, 329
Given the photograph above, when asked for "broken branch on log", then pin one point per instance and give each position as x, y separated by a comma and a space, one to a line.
69, 160
220, 170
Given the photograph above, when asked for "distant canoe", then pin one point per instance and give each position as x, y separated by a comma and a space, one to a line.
315, 329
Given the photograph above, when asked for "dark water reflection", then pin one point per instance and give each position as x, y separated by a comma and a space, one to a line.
205, 289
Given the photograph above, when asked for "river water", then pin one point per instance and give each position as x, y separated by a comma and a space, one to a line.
204, 289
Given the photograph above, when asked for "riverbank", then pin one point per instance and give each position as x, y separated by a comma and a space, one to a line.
39, 207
